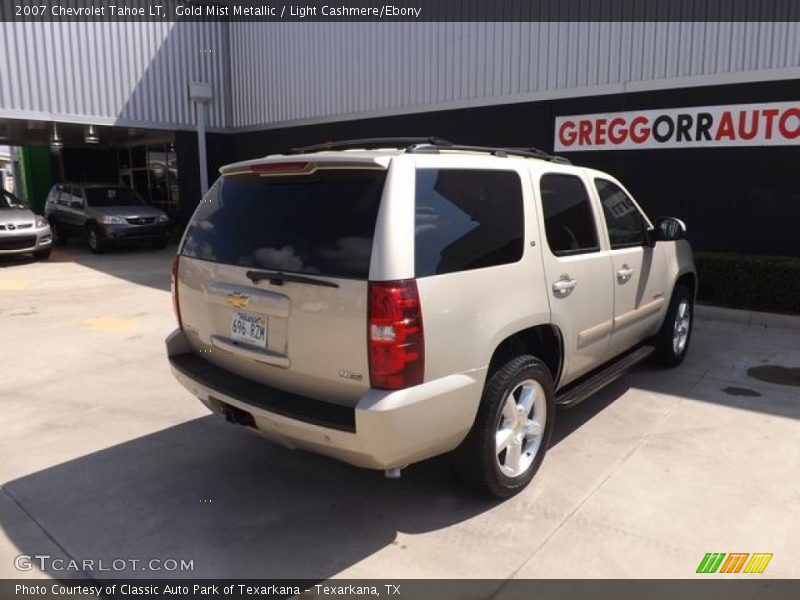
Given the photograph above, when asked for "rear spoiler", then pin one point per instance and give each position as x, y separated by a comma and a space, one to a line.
292, 166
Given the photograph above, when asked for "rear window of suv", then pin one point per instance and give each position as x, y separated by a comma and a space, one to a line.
322, 223
467, 219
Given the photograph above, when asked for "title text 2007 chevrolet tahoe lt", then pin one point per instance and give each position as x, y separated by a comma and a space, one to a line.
386, 305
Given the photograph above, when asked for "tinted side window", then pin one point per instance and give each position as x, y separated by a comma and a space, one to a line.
568, 218
467, 219
64, 196
624, 222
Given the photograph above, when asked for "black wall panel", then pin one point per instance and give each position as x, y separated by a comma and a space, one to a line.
732, 199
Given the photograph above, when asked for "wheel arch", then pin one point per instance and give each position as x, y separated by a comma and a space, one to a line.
688, 279
544, 341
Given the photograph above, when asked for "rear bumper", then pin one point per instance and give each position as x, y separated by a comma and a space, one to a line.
383, 430
21, 242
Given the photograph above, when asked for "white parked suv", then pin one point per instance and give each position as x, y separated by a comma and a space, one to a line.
385, 301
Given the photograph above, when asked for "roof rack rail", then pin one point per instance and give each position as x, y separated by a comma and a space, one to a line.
380, 142
421, 145
494, 150
551, 157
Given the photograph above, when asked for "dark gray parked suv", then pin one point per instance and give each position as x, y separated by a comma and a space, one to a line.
104, 214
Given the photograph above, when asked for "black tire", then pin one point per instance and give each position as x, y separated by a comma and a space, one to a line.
160, 243
57, 233
96, 242
668, 353
42, 254
476, 459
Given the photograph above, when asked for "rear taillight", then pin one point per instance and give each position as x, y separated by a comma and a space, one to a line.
173, 286
395, 335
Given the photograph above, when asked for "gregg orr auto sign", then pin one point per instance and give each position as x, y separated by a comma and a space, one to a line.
768, 124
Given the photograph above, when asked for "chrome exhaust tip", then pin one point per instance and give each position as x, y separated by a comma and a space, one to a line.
393, 473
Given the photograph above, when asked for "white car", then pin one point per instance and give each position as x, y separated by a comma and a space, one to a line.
22, 231
385, 301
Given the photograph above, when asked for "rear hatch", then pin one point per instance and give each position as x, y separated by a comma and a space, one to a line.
272, 279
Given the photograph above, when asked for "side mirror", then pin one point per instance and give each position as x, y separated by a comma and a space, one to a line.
76, 204
667, 229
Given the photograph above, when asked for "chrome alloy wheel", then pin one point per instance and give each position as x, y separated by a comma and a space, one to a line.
680, 331
520, 428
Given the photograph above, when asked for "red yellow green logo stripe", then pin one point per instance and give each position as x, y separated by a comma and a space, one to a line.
734, 562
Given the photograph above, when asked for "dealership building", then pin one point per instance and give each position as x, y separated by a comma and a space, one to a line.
701, 120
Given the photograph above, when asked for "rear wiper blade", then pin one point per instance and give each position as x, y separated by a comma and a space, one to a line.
277, 278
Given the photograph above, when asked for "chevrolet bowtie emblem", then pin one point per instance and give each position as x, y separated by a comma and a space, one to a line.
237, 300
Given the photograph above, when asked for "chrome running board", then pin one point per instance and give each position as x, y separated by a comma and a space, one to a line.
577, 392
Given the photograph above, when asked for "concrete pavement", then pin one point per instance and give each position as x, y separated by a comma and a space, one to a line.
104, 456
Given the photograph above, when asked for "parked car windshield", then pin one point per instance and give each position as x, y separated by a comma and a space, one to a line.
112, 196
9, 200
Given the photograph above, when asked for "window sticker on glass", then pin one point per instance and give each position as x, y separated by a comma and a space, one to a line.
625, 223
618, 205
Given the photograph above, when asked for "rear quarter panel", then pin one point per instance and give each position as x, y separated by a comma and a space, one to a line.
467, 314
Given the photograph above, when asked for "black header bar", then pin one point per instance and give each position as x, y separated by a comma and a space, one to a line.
401, 10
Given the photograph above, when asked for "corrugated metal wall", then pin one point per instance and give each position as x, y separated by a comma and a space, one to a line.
296, 72
279, 73
104, 73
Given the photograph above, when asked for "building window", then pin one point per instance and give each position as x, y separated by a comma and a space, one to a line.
152, 170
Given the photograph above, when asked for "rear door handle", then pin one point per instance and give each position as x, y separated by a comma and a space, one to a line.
624, 274
564, 286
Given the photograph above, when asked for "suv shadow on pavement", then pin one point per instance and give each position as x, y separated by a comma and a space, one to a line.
239, 506
235, 504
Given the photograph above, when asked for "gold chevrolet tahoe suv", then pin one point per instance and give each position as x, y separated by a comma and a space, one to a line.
384, 301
